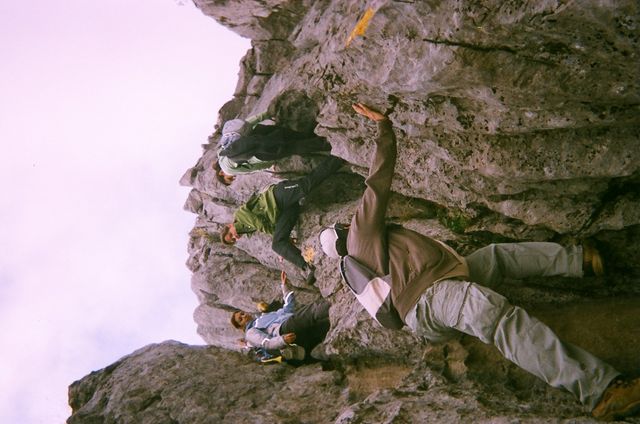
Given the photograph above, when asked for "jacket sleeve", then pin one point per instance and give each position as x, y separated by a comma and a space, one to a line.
258, 338
231, 168
367, 239
289, 301
255, 119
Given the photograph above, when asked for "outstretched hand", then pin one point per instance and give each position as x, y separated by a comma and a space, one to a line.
289, 338
283, 278
367, 112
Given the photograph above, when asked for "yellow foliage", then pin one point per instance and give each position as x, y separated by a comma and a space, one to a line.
308, 254
361, 26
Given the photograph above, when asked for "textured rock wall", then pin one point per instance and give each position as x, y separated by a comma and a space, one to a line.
515, 121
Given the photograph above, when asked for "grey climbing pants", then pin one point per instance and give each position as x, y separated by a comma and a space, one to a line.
474, 309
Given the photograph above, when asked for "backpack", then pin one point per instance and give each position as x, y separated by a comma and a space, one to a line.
372, 291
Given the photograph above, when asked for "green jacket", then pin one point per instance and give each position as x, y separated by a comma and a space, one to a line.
258, 214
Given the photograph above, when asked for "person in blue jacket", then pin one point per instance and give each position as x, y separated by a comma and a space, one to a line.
304, 326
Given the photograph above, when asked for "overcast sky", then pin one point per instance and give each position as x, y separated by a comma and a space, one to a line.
103, 106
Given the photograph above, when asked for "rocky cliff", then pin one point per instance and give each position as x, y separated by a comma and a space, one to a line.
515, 121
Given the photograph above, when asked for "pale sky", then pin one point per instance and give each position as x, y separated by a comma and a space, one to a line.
103, 107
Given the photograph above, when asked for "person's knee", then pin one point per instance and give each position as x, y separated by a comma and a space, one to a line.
321, 311
481, 312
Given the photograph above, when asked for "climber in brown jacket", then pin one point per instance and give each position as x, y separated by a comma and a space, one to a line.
435, 291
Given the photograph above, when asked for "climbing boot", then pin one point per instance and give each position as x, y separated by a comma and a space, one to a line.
621, 399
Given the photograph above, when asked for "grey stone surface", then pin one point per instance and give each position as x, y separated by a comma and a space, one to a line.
515, 121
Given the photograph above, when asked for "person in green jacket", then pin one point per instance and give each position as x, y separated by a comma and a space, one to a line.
437, 293
246, 146
275, 211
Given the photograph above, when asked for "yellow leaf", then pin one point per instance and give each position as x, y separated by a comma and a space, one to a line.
308, 254
361, 26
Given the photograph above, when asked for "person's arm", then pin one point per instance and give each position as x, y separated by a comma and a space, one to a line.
287, 294
258, 338
255, 119
367, 234
231, 168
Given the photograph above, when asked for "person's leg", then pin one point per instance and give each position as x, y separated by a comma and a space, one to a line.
281, 243
280, 142
273, 144
310, 323
530, 344
302, 144
307, 316
491, 264
309, 145
269, 143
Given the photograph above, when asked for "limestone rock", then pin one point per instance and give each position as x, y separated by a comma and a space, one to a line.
515, 121
174, 383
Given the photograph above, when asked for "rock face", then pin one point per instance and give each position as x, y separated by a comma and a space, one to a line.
515, 121
175, 383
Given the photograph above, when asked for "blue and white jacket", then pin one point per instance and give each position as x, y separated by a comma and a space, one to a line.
264, 331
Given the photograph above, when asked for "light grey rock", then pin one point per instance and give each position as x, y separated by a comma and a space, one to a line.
175, 383
514, 121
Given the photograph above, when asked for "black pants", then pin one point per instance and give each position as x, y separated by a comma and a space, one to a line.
270, 142
288, 195
310, 323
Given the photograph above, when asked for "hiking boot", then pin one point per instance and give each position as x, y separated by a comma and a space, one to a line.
309, 274
293, 352
620, 399
591, 260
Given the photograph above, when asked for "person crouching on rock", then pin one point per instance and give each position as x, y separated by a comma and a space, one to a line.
291, 330
427, 286
275, 211
246, 146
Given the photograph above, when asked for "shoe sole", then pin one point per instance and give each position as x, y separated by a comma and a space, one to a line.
596, 264
631, 409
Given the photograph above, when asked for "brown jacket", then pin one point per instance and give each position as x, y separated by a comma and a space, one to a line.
414, 261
